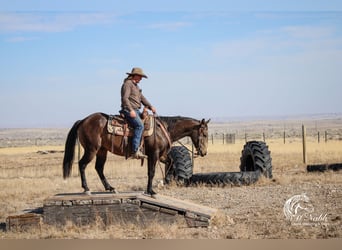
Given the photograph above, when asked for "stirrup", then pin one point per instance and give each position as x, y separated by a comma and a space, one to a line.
139, 155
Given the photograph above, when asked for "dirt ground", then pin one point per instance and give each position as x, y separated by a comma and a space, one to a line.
30, 174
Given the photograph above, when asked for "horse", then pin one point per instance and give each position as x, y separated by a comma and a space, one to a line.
97, 141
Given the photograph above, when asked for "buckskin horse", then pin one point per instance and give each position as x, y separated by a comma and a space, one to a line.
97, 141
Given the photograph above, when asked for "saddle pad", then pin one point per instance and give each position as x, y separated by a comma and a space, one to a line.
116, 125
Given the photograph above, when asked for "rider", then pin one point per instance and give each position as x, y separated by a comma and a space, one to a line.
131, 100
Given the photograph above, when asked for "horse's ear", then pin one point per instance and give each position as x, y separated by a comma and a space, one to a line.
205, 122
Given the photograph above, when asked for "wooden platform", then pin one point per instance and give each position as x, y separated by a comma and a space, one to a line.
124, 207
23, 221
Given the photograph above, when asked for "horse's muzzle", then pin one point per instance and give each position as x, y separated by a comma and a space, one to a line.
200, 153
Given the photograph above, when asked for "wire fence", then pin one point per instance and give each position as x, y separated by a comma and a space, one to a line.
285, 136
322, 130
301, 134
311, 135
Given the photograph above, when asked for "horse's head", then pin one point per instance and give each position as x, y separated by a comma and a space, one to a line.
179, 127
199, 137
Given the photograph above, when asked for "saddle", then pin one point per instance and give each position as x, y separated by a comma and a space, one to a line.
119, 128
117, 125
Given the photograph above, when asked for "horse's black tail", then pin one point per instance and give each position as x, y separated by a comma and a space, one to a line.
70, 150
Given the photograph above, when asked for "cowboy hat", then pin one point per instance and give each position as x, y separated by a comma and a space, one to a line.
137, 71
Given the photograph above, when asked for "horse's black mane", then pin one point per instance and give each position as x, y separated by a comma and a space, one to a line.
171, 120
175, 118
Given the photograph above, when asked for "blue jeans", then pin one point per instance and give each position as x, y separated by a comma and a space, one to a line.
138, 126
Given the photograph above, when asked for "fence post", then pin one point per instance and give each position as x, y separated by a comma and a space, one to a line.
192, 154
318, 137
326, 136
284, 136
304, 144
78, 154
79, 150
212, 139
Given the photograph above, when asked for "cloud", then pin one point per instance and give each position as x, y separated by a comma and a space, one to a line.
18, 39
50, 21
309, 32
169, 26
284, 41
293, 60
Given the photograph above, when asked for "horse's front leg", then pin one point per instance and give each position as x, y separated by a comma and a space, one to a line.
151, 164
101, 158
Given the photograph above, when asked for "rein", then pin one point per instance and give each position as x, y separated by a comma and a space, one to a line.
191, 151
162, 127
159, 122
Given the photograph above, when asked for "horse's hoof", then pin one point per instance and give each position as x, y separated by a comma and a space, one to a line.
151, 194
87, 192
113, 191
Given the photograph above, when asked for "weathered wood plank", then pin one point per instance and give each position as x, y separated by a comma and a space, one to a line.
23, 221
93, 196
176, 204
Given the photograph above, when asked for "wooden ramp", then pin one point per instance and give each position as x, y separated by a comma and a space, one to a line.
123, 207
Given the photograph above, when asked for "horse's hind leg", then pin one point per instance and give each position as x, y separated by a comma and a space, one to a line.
82, 164
101, 158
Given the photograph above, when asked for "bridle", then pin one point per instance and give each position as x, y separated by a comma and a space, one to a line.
200, 135
200, 139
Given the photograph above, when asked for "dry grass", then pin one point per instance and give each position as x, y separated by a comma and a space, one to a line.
27, 178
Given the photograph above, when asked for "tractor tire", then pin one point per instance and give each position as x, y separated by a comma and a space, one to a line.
226, 178
324, 167
255, 156
179, 166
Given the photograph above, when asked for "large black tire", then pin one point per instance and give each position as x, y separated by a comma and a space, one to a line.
226, 178
256, 156
179, 166
324, 167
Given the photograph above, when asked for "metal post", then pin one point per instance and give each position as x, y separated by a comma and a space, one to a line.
192, 155
304, 144
326, 136
318, 137
79, 154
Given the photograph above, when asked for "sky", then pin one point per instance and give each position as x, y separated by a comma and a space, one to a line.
63, 60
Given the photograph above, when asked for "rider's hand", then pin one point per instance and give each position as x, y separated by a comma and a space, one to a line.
132, 114
153, 109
